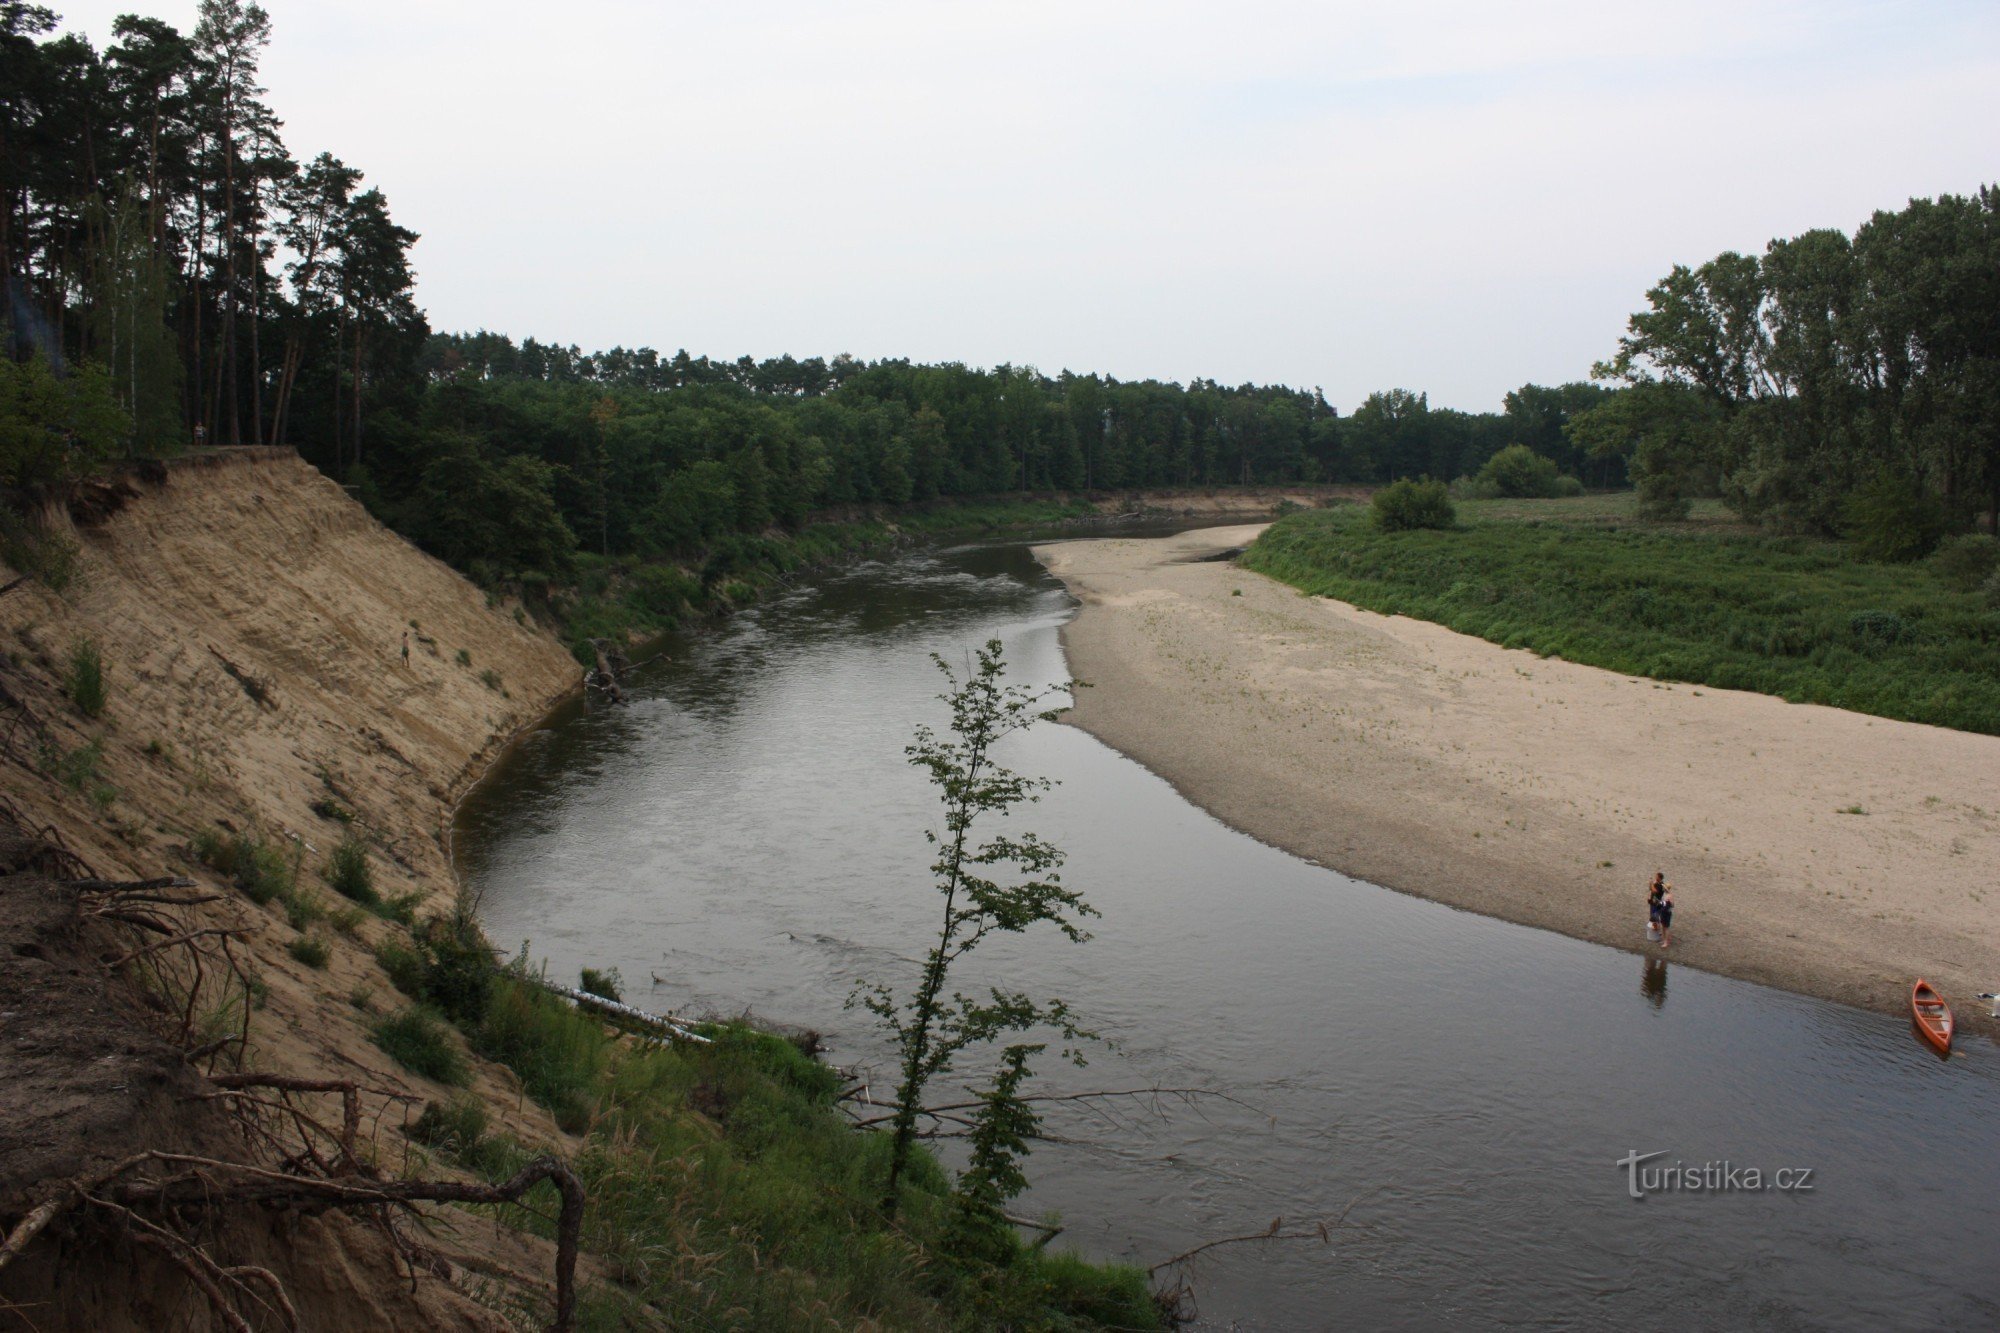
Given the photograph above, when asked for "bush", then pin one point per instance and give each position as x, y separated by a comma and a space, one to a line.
1403, 505
1893, 518
404, 965
84, 681
1876, 629
606, 985
349, 873
256, 867
457, 968
1568, 487
310, 950
1518, 472
1968, 560
419, 1042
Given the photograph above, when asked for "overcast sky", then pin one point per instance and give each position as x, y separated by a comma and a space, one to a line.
1439, 195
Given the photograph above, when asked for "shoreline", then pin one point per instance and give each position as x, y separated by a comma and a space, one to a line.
1543, 792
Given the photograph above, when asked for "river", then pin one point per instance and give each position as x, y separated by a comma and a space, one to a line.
1458, 1089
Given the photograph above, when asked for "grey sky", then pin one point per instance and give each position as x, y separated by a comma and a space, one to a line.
1444, 196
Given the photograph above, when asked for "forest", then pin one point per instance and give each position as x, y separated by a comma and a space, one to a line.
178, 277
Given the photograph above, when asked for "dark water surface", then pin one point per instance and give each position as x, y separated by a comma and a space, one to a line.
747, 829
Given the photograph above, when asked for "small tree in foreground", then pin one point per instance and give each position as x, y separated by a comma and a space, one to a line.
929, 1026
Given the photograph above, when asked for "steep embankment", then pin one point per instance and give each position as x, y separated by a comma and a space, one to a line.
250, 620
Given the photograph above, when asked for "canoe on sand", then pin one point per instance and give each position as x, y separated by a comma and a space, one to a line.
1933, 1015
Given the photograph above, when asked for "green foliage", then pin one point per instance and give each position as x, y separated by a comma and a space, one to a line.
929, 1028
1967, 560
83, 682
310, 950
458, 966
559, 1052
51, 556
260, 869
404, 965
420, 1042
55, 428
1807, 621
1405, 505
458, 1130
1002, 1128
606, 985
349, 873
1518, 472
1893, 518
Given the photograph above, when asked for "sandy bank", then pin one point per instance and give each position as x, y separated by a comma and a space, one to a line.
1544, 792
250, 616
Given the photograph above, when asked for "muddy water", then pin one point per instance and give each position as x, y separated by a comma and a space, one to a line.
1459, 1090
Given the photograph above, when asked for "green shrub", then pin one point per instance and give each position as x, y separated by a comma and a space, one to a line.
1968, 560
607, 985
1893, 518
464, 657
1404, 505
404, 965
420, 1042
350, 874
347, 920
401, 909
1518, 472
310, 950
458, 968
83, 682
1876, 628
75, 769
1567, 487
302, 908
259, 869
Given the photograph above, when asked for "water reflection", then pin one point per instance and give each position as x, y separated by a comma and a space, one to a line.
1653, 984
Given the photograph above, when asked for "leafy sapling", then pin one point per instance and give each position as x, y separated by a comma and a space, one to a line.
999, 884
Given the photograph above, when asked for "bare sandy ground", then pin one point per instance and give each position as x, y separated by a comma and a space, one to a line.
1543, 792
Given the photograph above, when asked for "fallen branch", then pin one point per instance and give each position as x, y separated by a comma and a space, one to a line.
676, 1029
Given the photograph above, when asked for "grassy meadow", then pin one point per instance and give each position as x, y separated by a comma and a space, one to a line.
1707, 600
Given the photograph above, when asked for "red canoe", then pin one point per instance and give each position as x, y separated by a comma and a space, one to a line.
1933, 1015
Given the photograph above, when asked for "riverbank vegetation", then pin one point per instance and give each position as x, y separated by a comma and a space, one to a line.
1712, 601
726, 1187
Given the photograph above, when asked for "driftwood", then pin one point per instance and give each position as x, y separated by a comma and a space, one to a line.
611, 664
669, 1029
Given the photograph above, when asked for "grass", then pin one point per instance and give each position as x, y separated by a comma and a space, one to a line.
83, 682
349, 873
310, 950
259, 868
726, 1189
422, 1043
1703, 601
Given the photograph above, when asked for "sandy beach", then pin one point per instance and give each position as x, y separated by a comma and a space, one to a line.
1813, 849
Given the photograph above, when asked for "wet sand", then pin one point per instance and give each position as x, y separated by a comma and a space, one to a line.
1543, 792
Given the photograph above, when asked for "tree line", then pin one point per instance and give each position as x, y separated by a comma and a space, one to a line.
167, 256
1835, 385
176, 276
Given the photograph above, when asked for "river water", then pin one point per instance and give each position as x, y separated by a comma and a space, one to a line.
1458, 1089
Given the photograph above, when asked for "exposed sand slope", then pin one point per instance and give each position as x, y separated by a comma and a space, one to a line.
260, 565
1400, 752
